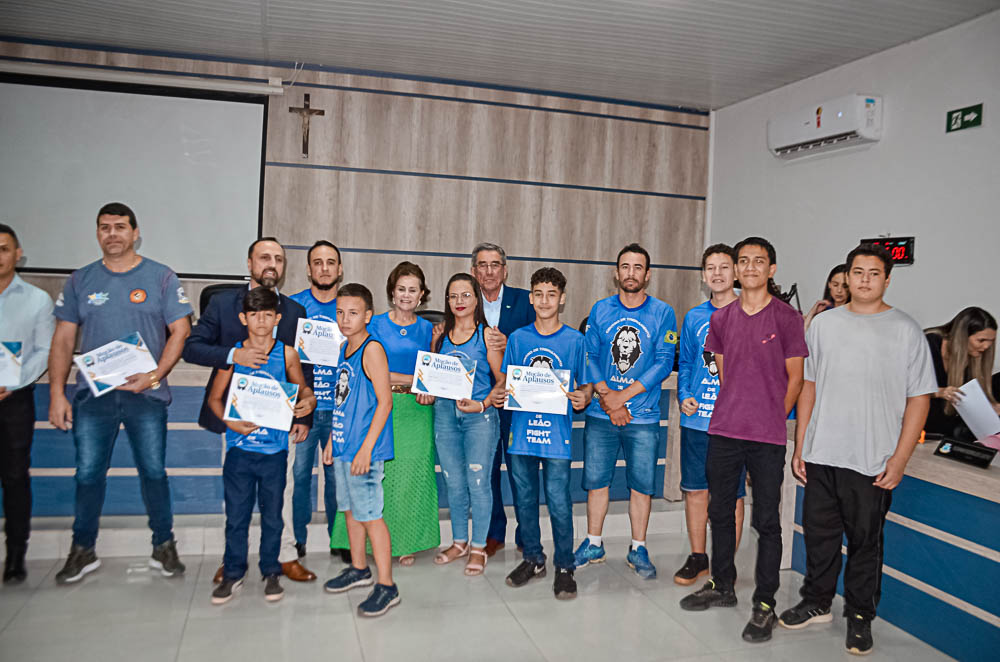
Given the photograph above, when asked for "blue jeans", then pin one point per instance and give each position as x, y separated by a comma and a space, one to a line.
601, 441
95, 428
249, 477
466, 444
524, 473
305, 460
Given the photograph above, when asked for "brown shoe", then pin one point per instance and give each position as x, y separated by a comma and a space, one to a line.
493, 546
297, 572
218, 575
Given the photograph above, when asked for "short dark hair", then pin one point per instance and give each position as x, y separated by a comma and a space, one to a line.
261, 240
6, 229
260, 298
760, 242
549, 275
870, 250
718, 249
118, 209
322, 242
406, 269
357, 290
633, 248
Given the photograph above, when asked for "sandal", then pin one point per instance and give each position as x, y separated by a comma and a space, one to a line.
473, 569
407, 560
443, 557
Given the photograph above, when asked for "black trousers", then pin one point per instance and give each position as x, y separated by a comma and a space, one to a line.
17, 426
839, 501
766, 466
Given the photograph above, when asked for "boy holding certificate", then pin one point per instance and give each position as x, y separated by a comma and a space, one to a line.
256, 457
359, 445
534, 436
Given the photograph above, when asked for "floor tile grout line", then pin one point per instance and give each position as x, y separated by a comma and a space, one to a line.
187, 615
524, 629
31, 597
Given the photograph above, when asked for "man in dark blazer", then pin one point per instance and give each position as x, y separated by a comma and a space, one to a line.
212, 343
507, 309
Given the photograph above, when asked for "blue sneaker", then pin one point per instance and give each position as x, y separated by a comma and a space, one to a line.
349, 578
638, 560
382, 599
587, 553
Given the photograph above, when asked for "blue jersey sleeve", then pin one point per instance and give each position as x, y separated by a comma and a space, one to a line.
666, 345
595, 368
689, 348
580, 362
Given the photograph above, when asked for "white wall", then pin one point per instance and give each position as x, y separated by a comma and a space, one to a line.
944, 189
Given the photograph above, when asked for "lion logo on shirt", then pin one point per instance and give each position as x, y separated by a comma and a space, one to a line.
626, 348
708, 358
541, 362
343, 389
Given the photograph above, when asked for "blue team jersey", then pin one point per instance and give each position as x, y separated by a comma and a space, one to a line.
262, 440
697, 375
322, 374
473, 349
354, 404
545, 435
401, 343
629, 344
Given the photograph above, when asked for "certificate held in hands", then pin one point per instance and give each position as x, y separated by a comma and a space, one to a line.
263, 401
443, 376
10, 364
318, 342
538, 389
109, 366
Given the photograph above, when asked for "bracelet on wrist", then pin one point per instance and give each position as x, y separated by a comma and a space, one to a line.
482, 403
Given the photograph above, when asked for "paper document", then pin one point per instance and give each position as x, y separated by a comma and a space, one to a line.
10, 364
977, 412
443, 376
261, 400
109, 366
537, 389
318, 342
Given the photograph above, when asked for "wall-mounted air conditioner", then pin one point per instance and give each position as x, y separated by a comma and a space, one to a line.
848, 121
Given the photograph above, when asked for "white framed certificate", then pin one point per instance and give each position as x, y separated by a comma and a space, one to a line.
263, 401
10, 364
109, 366
541, 390
443, 376
318, 342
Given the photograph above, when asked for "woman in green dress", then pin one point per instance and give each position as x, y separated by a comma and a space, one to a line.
410, 485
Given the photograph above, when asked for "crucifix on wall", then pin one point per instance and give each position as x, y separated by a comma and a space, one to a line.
306, 112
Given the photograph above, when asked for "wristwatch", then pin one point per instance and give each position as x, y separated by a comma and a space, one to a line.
155, 380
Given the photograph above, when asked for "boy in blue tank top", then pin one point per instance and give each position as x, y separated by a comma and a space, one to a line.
359, 445
256, 457
546, 438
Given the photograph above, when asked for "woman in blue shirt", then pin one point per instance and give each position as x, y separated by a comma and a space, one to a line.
466, 430
410, 505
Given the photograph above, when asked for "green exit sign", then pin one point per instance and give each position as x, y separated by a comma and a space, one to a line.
963, 118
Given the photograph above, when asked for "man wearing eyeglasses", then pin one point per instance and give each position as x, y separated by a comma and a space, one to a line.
507, 309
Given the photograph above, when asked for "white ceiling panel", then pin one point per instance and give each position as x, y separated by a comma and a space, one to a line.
699, 53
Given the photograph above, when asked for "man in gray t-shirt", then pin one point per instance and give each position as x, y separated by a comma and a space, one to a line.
868, 381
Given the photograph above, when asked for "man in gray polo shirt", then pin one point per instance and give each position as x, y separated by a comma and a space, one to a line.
868, 382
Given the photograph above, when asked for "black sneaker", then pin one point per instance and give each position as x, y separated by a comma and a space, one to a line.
300, 549
859, 635
707, 596
13, 566
380, 600
803, 614
695, 566
165, 559
525, 572
223, 593
761, 624
565, 585
81, 561
272, 588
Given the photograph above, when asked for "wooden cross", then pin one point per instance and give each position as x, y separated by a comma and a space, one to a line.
306, 112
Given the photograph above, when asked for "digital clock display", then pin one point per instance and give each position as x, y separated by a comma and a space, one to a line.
900, 249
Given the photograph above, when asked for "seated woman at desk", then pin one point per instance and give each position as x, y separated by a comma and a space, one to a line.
962, 350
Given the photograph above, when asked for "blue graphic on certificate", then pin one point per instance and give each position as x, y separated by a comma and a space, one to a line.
10, 364
444, 376
540, 389
109, 366
318, 341
263, 401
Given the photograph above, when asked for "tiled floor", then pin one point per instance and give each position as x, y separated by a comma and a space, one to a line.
126, 612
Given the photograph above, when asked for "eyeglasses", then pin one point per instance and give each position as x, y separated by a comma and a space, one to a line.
490, 266
464, 296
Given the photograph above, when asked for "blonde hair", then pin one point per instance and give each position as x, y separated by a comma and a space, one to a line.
959, 366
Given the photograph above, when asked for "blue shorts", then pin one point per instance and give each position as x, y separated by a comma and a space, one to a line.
362, 495
601, 441
694, 451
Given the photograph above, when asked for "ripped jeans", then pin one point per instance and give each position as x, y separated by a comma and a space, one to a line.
466, 444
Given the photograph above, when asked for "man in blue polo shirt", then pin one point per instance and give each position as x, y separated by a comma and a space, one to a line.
631, 339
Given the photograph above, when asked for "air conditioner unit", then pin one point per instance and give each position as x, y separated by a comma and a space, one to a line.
848, 121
